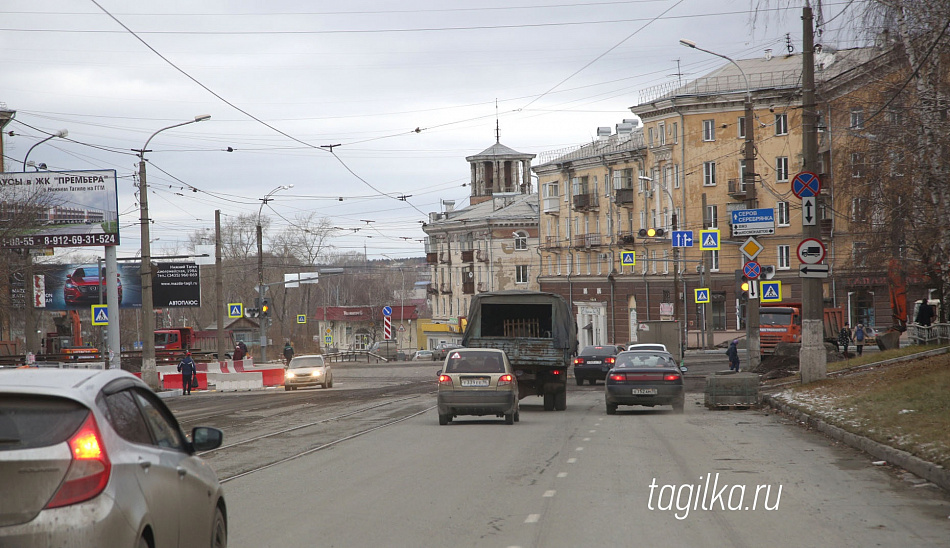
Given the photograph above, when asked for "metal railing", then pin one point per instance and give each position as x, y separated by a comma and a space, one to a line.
938, 333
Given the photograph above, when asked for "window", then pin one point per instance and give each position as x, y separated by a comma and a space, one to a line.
718, 315
709, 173
783, 254
521, 274
712, 213
857, 165
676, 175
859, 253
714, 261
521, 241
781, 124
650, 139
709, 130
859, 209
623, 178
857, 118
782, 213
740, 127
653, 262
642, 180
164, 429
742, 175
676, 132
666, 270
781, 169
661, 132
126, 419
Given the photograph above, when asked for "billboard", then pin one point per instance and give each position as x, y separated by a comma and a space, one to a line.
76, 286
58, 209
176, 284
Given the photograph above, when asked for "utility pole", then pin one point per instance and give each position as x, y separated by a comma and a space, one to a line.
261, 288
753, 338
812, 358
219, 301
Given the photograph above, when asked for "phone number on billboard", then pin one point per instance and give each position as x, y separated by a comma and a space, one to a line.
60, 240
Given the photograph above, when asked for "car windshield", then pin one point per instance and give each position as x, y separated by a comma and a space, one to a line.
297, 363
598, 350
644, 360
474, 362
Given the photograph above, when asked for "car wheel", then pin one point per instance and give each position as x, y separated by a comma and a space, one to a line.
580, 381
611, 409
323, 386
509, 418
679, 405
330, 384
592, 382
560, 399
143, 542
518, 416
219, 530
549, 401
287, 388
444, 419
293, 387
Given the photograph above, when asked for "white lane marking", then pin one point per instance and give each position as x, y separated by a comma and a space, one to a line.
586, 439
571, 460
562, 474
591, 431
532, 518
549, 493
579, 449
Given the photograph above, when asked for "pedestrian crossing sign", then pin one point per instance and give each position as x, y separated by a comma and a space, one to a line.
235, 310
628, 258
709, 240
301, 318
702, 295
770, 292
100, 314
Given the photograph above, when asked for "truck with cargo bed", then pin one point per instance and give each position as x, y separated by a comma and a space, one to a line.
537, 332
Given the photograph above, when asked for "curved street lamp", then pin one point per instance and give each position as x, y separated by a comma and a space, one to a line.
61, 134
261, 288
149, 373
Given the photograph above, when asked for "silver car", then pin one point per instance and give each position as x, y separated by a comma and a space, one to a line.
477, 381
309, 370
93, 458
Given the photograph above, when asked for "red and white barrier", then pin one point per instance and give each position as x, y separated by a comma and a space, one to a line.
226, 376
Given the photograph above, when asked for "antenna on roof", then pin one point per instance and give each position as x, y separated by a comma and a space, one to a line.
497, 129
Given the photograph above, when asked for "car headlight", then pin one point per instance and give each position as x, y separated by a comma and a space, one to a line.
290, 374
316, 373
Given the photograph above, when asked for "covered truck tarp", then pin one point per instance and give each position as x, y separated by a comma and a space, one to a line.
488, 310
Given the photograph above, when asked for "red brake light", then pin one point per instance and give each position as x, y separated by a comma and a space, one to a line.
505, 379
611, 360
556, 372
578, 360
89, 470
445, 379
671, 377
618, 377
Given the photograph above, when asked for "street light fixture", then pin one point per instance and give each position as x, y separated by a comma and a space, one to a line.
149, 373
261, 288
748, 186
61, 134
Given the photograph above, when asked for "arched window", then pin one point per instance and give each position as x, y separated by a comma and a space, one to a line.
521, 240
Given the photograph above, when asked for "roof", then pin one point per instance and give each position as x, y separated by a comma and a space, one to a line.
499, 150
78, 384
515, 207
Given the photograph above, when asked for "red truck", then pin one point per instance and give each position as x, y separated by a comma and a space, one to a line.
175, 338
782, 322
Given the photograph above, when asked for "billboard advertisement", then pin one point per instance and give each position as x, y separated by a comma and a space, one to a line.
176, 284
58, 209
76, 286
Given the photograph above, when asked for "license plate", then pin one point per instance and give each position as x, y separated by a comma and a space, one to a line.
594, 362
475, 382
644, 391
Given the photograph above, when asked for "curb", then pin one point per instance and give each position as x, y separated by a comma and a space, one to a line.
917, 466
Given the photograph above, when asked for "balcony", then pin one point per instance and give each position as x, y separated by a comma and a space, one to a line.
432, 290
826, 225
585, 202
737, 189
468, 256
551, 242
594, 239
624, 196
482, 286
445, 289
481, 255
445, 257
579, 241
432, 258
552, 205
626, 238
468, 288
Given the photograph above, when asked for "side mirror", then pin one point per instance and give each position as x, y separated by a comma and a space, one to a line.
683, 368
204, 438
439, 372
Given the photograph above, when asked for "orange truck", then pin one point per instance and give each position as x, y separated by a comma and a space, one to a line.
782, 323
175, 338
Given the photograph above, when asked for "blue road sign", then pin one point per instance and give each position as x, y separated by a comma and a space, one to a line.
702, 295
806, 185
682, 238
752, 270
100, 314
709, 240
387, 311
770, 292
235, 310
628, 258
301, 318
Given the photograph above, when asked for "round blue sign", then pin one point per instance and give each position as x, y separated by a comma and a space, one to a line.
806, 185
752, 270
387, 311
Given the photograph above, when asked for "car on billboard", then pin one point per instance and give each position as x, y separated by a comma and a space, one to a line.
82, 285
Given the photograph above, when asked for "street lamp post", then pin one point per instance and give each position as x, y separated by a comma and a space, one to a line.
29, 329
149, 373
261, 288
748, 186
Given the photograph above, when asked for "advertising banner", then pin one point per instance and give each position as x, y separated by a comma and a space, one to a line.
59, 209
176, 284
77, 286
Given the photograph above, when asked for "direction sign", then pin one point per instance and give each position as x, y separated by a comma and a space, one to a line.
100, 314
809, 211
628, 258
753, 289
387, 311
301, 318
751, 270
682, 238
770, 292
751, 248
709, 240
235, 310
702, 295
748, 222
806, 185
813, 271
811, 251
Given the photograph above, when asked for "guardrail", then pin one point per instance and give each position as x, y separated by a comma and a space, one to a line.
937, 333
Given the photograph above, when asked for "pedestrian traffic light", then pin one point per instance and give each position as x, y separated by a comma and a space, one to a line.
742, 286
265, 308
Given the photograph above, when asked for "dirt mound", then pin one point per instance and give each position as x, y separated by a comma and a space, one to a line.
776, 367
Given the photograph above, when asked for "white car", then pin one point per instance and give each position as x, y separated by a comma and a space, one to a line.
653, 347
308, 370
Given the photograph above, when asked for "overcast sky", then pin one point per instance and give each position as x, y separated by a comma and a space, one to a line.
283, 78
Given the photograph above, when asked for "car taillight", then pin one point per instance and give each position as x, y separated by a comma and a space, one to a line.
611, 360
89, 470
445, 379
671, 377
556, 372
578, 360
618, 377
505, 379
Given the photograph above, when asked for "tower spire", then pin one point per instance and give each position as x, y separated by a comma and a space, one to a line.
497, 128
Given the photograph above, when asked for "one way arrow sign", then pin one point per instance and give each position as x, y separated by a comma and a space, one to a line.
813, 271
809, 211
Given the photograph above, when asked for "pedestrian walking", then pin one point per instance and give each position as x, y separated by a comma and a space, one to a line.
733, 354
844, 338
239, 352
859, 335
189, 373
288, 352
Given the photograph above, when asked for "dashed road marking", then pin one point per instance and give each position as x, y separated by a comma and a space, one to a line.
579, 449
586, 439
549, 493
532, 518
571, 460
562, 474
591, 431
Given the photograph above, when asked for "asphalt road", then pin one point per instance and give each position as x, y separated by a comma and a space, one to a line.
366, 464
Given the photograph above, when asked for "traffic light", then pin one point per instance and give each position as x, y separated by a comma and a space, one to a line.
768, 271
651, 232
742, 286
252, 312
265, 308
